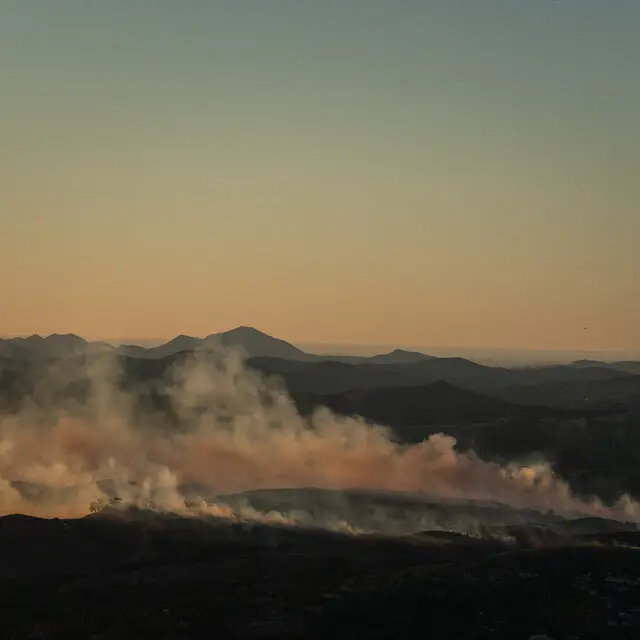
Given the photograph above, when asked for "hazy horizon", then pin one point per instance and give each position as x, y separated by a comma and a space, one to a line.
495, 355
486, 355
360, 173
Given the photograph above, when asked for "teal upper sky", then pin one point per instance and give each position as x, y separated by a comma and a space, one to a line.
442, 158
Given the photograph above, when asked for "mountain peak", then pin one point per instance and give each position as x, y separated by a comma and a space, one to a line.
257, 343
244, 331
181, 338
401, 356
54, 345
406, 352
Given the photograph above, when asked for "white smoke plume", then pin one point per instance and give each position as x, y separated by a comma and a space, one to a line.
236, 431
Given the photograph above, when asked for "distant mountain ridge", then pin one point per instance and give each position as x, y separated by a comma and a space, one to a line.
54, 346
400, 356
627, 366
253, 342
435, 403
587, 380
585, 383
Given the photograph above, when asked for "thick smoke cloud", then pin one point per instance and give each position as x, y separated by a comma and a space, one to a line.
236, 431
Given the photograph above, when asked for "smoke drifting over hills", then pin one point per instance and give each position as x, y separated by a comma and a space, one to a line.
237, 431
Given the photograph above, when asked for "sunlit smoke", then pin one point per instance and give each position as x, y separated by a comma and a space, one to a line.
234, 430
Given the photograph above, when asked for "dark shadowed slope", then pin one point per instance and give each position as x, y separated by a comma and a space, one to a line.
626, 366
436, 403
13, 350
330, 376
558, 386
144, 575
541, 385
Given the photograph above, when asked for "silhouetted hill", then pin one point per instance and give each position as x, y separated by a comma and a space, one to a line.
626, 366
556, 385
586, 364
617, 390
176, 345
55, 345
257, 344
132, 351
275, 355
251, 341
583, 384
398, 356
330, 376
436, 403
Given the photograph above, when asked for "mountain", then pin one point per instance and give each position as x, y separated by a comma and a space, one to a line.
257, 344
133, 351
557, 385
583, 383
53, 346
251, 341
436, 403
333, 376
176, 345
399, 356
254, 344
587, 364
626, 366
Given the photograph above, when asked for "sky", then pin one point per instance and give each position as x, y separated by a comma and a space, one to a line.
346, 171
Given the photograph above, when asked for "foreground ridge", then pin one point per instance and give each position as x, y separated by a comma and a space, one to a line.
171, 576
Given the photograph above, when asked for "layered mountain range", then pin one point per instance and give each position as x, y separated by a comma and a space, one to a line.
254, 343
582, 384
251, 341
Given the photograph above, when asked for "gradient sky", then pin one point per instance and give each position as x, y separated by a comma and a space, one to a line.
368, 171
